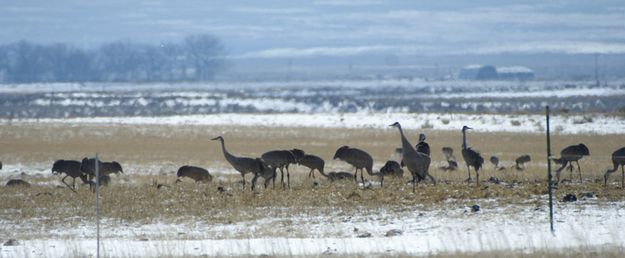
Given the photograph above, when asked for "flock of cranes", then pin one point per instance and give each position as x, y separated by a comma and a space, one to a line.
415, 159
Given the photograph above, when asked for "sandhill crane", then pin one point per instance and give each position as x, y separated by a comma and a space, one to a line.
422, 146
618, 159
105, 168
568, 155
335, 176
392, 168
495, 161
17, 183
418, 163
281, 159
452, 164
357, 158
196, 173
265, 171
313, 162
243, 165
471, 157
71, 168
521, 160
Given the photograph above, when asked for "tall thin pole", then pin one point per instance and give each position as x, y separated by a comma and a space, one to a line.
549, 177
597, 69
97, 203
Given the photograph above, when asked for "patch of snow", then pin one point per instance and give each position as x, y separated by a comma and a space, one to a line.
522, 227
600, 124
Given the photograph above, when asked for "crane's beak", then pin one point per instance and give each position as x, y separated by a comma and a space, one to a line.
216, 138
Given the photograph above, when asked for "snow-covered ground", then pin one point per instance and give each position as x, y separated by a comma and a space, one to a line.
570, 124
448, 229
58, 100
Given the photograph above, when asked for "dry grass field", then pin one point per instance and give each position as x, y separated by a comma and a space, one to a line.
161, 146
151, 153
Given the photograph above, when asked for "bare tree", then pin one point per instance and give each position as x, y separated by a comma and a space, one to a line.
203, 51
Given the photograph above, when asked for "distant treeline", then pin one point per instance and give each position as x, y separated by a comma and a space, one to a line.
196, 58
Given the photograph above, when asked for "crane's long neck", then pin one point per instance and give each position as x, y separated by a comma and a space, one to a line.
405, 144
324, 174
464, 139
229, 157
615, 164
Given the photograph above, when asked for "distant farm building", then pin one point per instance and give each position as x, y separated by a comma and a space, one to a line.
489, 72
515, 73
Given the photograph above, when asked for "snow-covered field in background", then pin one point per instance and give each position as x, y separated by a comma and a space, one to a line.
424, 231
572, 124
378, 96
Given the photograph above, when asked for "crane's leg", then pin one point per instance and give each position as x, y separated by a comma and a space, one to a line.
622, 177
68, 186
74, 183
288, 176
254, 181
362, 177
469, 172
477, 177
267, 181
579, 170
381, 180
243, 177
356, 176
558, 172
414, 183
281, 177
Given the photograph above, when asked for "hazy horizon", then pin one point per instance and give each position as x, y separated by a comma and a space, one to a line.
339, 32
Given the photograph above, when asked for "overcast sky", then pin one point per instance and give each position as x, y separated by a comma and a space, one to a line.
291, 29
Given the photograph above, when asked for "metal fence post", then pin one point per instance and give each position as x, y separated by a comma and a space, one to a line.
549, 177
97, 203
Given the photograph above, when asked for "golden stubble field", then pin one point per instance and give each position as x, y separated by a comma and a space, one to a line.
180, 145
133, 197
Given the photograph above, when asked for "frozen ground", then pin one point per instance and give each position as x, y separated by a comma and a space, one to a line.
570, 124
447, 228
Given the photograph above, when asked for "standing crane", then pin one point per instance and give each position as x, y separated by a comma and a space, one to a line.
568, 155
243, 165
471, 157
418, 163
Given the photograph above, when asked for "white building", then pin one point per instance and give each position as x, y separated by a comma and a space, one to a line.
489, 72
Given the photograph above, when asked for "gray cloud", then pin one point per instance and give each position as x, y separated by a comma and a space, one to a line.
280, 28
